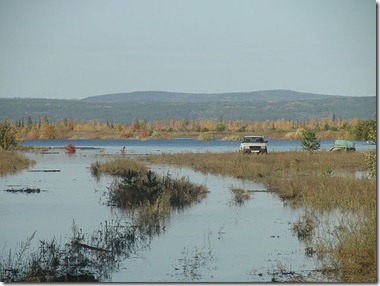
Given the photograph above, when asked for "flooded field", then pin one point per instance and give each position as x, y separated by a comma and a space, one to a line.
214, 240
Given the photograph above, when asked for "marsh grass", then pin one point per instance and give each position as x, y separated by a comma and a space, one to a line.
148, 197
193, 262
305, 225
350, 252
119, 166
84, 258
12, 162
240, 196
300, 178
307, 179
206, 137
151, 198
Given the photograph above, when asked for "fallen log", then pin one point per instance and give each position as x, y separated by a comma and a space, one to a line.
24, 190
46, 171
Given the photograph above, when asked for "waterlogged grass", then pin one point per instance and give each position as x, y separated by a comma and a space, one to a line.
240, 196
305, 226
83, 258
12, 162
151, 197
300, 178
311, 180
147, 196
118, 166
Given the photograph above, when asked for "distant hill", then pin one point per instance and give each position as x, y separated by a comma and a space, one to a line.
163, 96
158, 105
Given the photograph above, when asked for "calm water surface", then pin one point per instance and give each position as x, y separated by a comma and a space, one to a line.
135, 146
239, 243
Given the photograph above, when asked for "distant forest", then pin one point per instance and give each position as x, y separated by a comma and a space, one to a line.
254, 106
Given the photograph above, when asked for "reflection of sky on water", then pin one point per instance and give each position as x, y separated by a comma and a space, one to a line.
244, 241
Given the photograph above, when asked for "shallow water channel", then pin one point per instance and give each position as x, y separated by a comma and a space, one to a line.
213, 240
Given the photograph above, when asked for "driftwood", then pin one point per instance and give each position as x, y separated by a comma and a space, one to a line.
46, 171
257, 191
24, 190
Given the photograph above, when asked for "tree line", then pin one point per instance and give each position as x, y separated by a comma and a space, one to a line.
325, 128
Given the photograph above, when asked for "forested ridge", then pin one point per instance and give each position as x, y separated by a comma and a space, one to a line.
126, 108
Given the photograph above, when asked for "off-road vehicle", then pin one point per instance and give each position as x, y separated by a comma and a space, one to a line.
254, 144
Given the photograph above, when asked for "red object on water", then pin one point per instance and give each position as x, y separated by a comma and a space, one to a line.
70, 148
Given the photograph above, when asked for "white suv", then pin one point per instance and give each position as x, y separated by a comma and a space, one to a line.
254, 144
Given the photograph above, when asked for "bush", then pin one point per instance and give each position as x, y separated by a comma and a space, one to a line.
309, 140
7, 135
371, 163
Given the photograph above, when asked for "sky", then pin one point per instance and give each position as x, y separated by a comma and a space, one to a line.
73, 49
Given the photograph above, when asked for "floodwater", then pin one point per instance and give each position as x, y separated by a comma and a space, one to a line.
222, 241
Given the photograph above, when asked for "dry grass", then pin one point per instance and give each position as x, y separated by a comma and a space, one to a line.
298, 177
12, 162
351, 252
118, 166
319, 181
240, 195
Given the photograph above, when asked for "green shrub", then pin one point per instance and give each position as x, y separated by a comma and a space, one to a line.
309, 140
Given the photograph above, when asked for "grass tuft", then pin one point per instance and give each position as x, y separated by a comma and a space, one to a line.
240, 196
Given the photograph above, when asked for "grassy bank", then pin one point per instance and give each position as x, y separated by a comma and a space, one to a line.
12, 162
320, 181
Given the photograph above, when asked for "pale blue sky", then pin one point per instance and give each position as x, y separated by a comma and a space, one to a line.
79, 48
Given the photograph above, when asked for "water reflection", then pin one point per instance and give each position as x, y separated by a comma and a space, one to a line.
211, 241
220, 242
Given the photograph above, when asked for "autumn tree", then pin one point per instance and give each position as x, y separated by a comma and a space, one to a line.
363, 128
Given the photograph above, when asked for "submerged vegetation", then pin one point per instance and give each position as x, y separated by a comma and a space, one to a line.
240, 196
321, 181
84, 258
